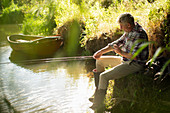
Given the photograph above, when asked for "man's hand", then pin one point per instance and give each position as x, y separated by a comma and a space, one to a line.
117, 49
122, 53
97, 55
102, 51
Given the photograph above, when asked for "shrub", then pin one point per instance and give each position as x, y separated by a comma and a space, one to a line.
12, 14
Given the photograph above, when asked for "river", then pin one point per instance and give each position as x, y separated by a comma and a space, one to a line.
51, 86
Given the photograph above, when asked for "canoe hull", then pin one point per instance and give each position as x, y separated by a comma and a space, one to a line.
35, 45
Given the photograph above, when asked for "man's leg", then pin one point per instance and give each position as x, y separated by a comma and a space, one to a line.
96, 82
105, 61
101, 63
117, 72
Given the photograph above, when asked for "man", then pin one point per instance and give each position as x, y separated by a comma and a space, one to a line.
132, 39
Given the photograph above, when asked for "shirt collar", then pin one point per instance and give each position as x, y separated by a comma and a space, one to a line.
137, 27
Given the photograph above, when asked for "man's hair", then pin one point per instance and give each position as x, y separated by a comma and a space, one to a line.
126, 18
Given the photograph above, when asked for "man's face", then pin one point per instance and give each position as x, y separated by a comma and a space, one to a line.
125, 27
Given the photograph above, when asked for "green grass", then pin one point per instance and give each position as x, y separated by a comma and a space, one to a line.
96, 18
45, 17
136, 93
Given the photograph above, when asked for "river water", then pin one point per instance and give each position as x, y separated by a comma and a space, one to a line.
51, 86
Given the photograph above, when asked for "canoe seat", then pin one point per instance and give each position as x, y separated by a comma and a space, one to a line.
21, 40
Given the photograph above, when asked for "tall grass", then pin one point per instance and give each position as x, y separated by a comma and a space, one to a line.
11, 14
97, 18
44, 17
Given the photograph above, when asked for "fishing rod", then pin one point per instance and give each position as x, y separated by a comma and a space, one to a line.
51, 59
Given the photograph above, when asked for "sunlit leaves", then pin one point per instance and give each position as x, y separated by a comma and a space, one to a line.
73, 39
157, 53
165, 66
143, 46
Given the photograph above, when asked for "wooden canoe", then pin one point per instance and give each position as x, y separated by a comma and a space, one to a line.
35, 45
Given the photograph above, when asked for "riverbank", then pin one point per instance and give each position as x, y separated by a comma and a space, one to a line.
140, 93
88, 26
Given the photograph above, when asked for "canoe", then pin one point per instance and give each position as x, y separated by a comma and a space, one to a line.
35, 45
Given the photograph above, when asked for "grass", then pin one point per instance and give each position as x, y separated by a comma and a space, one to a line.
136, 93
97, 18
45, 17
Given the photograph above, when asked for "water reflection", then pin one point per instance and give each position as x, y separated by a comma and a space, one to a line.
6, 30
44, 64
44, 85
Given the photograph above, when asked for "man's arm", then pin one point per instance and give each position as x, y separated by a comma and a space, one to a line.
122, 53
102, 51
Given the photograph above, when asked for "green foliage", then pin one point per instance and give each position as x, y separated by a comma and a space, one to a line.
4, 4
157, 14
143, 46
44, 17
136, 93
165, 66
97, 18
157, 53
12, 14
73, 39
40, 20
65, 11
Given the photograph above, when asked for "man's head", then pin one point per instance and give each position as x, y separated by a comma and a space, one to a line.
126, 21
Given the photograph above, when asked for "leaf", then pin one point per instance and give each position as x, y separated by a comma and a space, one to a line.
143, 46
164, 67
136, 42
157, 53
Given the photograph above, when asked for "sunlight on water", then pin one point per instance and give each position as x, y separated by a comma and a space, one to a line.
60, 87
54, 90
44, 87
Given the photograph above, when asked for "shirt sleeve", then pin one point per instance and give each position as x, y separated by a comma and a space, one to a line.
144, 53
118, 41
138, 44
